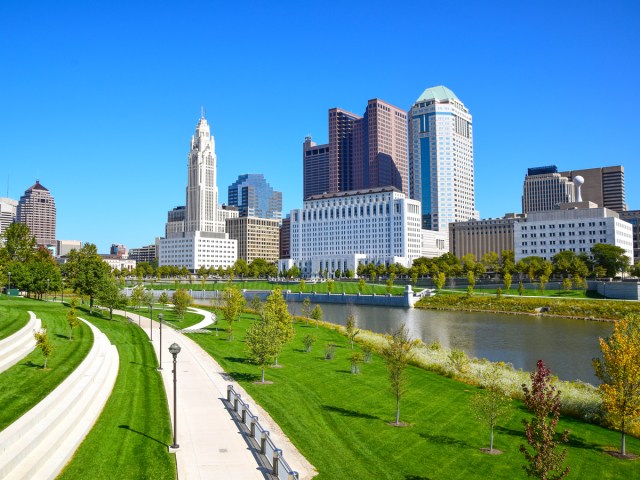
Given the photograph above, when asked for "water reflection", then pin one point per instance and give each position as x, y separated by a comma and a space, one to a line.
566, 345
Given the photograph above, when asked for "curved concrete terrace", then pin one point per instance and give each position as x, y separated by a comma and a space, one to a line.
17, 346
40, 443
212, 446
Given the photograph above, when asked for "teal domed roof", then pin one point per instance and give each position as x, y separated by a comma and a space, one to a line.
439, 93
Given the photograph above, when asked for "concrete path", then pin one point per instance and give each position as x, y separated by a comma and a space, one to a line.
211, 445
209, 318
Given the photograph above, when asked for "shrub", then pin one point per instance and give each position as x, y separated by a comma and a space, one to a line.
308, 341
356, 359
330, 351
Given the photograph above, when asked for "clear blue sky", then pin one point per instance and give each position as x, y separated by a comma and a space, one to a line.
99, 100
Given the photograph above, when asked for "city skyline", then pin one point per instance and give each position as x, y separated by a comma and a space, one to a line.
97, 106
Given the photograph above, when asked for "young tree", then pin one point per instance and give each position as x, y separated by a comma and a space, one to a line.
137, 296
506, 280
316, 314
72, 318
257, 306
471, 279
491, 403
619, 370
361, 285
86, 271
356, 359
352, 331
566, 283
543, 282
181, 302
396, 355
276, 311
110, 296
542, 399
262, 342
233, 303
520, 289
389, 285
302, 284
306, 307
308, 341
330, 286
439, 280
44, 344
163, 299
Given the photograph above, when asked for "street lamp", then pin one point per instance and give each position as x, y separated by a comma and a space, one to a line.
62, 289
9, 288
174, 350
160, 319
151, 323
46, 296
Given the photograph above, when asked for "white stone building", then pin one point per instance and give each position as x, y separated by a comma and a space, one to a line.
575, 226
195, 234
338, 231
8, 211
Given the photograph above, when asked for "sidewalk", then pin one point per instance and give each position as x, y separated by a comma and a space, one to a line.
211, 445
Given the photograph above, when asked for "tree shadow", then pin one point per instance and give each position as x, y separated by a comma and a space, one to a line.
416, 477
143, 365
344, 371
30, 364
349, 413
510, 431
245, 377
238, 360
127, 427
59, 335
578, 442
444, 440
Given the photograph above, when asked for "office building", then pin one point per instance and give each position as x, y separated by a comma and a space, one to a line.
434, 243
195, 233
63, 247
339, 231
576, 226
256, 237
315, 168
368, 151
603, 186
8, 212
441, 159
483, 236
633, 218
118, 250
145, 254
544, 189
254, 197
37, 210
285, 238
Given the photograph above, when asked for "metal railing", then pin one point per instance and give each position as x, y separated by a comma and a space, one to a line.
280, 469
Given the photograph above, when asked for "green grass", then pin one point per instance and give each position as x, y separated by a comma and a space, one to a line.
131, 437
11, 319
339, 421
26, 383
169, 317
537, 292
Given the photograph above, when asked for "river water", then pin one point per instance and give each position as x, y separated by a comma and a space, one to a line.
566, 345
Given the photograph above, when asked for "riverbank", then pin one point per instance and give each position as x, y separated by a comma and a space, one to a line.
598, 310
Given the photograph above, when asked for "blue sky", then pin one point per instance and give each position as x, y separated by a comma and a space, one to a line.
99, 101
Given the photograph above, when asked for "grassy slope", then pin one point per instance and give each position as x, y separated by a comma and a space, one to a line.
26, 383
339, 420
11, 319
131, 437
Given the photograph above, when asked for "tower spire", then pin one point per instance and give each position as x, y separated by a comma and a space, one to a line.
202, 111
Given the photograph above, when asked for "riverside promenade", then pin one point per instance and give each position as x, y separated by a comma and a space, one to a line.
211, 444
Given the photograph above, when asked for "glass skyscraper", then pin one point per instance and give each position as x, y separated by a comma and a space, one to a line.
254, 197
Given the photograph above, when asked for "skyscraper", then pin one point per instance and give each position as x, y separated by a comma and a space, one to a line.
602, 186
545, 189
37, 210
8, 210
441, 158
254, 197
363, 152
195, 234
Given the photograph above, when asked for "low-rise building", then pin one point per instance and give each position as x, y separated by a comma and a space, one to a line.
198, 249
483, 236
63, 247
633, 217
257, 237
145, 254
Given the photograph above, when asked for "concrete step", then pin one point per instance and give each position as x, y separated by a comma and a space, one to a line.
17, 346
41, 442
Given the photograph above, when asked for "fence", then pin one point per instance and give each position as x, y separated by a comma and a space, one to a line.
280, 469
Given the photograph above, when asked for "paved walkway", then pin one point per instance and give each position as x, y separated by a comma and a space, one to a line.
211, 445
209, 318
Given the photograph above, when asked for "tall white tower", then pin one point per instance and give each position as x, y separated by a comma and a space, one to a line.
441, 158
202, 190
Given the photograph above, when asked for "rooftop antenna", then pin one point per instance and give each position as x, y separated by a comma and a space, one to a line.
202, 111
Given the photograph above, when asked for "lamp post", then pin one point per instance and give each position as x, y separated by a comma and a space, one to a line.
151, 322
160, 319
174, 349
62, 289
46, 295
9, 288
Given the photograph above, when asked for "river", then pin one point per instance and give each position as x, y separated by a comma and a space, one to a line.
566, 345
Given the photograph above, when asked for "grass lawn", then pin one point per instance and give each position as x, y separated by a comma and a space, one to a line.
339, 421
534, 293
170, 318
26, 383
11, 319
131, 437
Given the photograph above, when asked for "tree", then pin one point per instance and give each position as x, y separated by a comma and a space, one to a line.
257, 306
613, 259
163, 299
543, 400
356, 359
316, 314
302, 284
330, 286
567, 284
233, 303
396, 355
137, 296
110, 296
306, 307
308, 340
262, 342
491, 261
439, 280
543, 282
506, 280
471, 279
361, 285
294, 272
389, 287
72, 318
181, 301
352, 331
491, 403
619, 370
86, 271
44, 344
276, 311
18, 245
